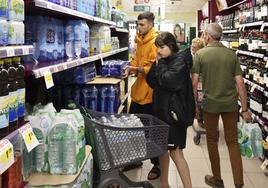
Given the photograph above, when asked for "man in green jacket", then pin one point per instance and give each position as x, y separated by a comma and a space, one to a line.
221, 79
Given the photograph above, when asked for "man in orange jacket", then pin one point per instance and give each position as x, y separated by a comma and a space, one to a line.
141, 93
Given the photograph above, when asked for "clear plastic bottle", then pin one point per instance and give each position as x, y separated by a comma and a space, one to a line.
4, 9
111, 99
12, 38
16, 10
103, 99
3, 32
69, 38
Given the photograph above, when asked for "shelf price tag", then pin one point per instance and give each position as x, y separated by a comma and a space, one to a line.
48, 79
101, 58
29, 137
253, 88
26, 51
10, 52
6, 155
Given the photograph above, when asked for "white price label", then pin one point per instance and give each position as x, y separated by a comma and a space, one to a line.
29, 137
48, 79
266, 139
49, 6
10, 52
6, 155
26, 51
101, 58
266, 65
253, 88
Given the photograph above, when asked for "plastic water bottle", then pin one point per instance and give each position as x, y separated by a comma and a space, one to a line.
4, 9
93, 98
69, 151
111, 99
3, 32
77, 25
60, 39
84, 39
16, 10
103, 99
69, 38
55, 140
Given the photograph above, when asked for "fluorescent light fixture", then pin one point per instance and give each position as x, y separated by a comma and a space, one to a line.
162, 9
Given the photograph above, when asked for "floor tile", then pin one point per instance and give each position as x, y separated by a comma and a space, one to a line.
258, 180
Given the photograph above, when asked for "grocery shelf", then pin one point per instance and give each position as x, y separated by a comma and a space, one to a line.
242, 26
14, 135
120, 29
64, 65
250, 54
67, 11
251, 84
230, 31
11, 51
40, 179
104, 80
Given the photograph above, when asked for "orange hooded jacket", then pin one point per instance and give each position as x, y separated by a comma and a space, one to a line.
145, 56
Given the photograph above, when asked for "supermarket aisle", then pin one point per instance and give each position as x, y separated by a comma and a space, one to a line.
198, 161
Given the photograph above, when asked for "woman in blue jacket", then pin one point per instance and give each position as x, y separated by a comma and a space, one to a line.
173, 102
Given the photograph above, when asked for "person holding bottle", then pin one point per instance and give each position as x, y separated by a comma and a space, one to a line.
222, 82
171, 81
141, 93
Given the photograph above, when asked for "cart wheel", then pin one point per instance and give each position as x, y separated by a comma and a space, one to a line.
197, 139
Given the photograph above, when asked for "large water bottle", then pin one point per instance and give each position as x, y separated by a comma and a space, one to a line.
69, 38
102, 99
77, 37
69, 150
55, 140
111, 99
93, 98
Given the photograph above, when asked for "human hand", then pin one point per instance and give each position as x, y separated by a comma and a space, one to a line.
247, 116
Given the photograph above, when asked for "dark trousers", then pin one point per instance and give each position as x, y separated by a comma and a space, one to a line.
143, 109
230, 133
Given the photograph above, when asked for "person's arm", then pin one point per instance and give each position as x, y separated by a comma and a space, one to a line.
149, 61
150, 78
172, 76
246, 115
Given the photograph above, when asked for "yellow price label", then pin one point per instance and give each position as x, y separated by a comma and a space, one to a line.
6, 155
29, 137
48, 79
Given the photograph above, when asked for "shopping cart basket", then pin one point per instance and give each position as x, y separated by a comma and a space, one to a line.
116, 147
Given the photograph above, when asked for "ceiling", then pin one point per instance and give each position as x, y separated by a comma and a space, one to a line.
172, 6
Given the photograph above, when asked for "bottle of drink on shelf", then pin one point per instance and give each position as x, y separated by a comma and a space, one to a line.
21, 89
111, 99
103, 99
4, 108
13, 94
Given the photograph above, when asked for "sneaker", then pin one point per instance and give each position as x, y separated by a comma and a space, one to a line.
211, 181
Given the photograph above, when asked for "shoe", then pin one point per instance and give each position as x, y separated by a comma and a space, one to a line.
211, 181
154, 174
239, 186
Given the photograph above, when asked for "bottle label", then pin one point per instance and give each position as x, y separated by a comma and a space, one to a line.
50, 36
21, 102
13, 106
4, 111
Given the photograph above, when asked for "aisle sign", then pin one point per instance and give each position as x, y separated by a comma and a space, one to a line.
48, 79
141, 8
29, 137
6, 155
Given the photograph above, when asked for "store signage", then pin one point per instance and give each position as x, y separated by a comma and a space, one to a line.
29, 137
6, 155
141, 8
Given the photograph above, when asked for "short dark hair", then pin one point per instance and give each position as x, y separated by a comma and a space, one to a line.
166, 38
146, 15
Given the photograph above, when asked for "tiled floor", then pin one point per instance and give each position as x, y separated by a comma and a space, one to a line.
199, 164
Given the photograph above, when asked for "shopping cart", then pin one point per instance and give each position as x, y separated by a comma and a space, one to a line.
200, 130
116, 147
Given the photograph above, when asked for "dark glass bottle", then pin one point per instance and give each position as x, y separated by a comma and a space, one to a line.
13, 94
4, 98
21, 89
